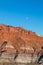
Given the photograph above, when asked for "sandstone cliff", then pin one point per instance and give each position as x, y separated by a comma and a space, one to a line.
19, 39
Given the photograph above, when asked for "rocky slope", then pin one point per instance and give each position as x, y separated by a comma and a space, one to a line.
19, 40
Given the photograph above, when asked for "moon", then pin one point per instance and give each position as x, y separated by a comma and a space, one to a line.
27, 17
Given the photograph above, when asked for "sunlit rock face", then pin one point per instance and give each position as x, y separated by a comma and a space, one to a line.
19, 39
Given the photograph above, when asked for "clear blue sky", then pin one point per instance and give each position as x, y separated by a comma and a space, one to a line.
25, 13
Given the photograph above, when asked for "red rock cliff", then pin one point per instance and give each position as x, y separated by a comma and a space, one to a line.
17, 38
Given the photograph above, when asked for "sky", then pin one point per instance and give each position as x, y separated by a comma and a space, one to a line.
24, 13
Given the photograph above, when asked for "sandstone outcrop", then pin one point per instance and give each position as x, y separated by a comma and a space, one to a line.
19, 39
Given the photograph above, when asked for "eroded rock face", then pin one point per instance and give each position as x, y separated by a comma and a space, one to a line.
19, 39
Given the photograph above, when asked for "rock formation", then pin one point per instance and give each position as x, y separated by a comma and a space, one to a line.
19, 39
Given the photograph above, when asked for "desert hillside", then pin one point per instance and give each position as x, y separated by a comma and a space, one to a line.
19, 39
